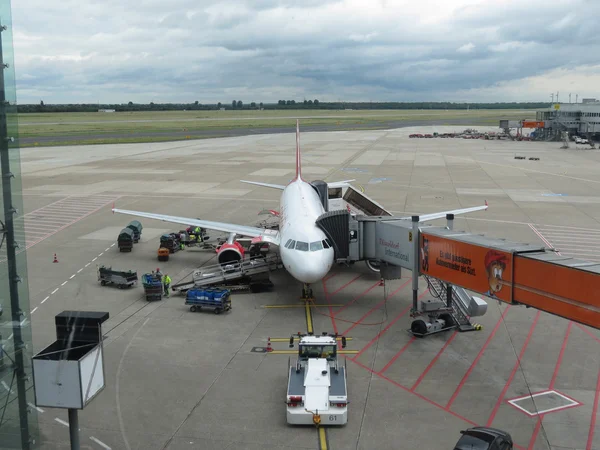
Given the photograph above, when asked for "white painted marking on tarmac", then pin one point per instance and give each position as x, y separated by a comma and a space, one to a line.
87, 264
35, 407
100, 443
72, 276
23, 321
62, 422
34, 310
7, 387
9, 338
79, 270
107, 249
112, 245
101, 254
95, 258
65, 282
45, 299
54, 291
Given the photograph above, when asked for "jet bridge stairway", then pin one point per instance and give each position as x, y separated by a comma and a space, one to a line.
461, 305
249, 274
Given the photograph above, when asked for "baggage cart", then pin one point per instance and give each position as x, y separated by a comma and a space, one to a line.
125, 240
218, 300
121, 278
136, 227
153, 286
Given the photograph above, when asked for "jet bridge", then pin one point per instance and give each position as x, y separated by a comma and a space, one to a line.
452, 262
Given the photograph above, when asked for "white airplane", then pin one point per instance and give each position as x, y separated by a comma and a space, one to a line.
305, 251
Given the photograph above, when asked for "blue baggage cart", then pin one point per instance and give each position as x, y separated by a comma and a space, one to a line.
153, 286
217, 299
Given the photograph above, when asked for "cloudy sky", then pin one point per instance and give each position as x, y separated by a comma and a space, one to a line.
264, 50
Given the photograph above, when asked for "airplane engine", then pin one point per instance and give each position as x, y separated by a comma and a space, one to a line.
230, 253
373, 264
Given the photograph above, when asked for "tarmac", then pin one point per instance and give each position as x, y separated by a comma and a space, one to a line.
182, 380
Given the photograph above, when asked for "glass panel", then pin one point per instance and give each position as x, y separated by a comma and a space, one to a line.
303, 246
287, 244
290, 243
314, 246
325, 244
18, 426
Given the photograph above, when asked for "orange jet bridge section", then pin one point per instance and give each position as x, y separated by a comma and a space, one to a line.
513, 273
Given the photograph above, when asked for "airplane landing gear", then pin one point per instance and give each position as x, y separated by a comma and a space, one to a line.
307, 292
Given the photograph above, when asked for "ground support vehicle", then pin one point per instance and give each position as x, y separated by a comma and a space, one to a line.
163, 254
125, 240
218, 300
171, 242
136, 227
153, 286
252, 274
484, 438
317, 392
121, 278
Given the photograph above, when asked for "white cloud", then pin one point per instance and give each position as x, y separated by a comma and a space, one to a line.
467, 48
264, 50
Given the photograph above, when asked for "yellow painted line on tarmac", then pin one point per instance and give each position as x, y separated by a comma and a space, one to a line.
294, 352
301, 305
296, 339
309, 324
322, 438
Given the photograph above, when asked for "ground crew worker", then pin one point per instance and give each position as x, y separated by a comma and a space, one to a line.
166, 283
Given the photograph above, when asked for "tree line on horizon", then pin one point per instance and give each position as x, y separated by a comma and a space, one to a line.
238, 105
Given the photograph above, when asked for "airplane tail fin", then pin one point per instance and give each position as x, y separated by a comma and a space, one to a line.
298, 158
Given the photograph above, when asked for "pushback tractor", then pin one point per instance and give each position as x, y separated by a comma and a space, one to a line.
317, 392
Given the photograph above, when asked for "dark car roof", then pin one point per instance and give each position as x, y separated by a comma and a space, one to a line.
479, 438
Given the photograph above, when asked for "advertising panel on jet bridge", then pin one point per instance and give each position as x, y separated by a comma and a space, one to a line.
478, 268
394, 243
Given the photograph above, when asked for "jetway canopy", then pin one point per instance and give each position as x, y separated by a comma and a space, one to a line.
514, 273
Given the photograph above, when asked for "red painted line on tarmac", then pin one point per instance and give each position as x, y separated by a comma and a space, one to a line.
586, 331
536, 430
397, 355
345, 285
378, 305
433, 361
514, 370
477, 358
356, 298
563, 347
560, 356
387, 327
330, 276
414, 393
590, 440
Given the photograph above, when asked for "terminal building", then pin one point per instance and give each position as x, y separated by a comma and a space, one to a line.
578, 119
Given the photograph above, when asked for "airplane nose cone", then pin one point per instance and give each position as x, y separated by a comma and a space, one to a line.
311, 273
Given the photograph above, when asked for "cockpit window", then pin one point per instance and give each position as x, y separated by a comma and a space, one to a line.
315, 246
290, 243
302, 246
325, 244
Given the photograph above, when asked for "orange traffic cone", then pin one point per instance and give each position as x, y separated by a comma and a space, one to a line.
55, 259
269, 348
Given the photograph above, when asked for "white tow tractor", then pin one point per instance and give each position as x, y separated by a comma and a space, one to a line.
317, 392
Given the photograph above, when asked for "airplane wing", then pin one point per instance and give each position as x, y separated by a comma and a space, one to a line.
442, 214
334, 184
266, 235
269, 185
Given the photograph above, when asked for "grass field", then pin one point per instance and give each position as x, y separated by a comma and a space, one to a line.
120, 127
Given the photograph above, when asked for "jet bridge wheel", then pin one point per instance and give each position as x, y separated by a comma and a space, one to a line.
418, 327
